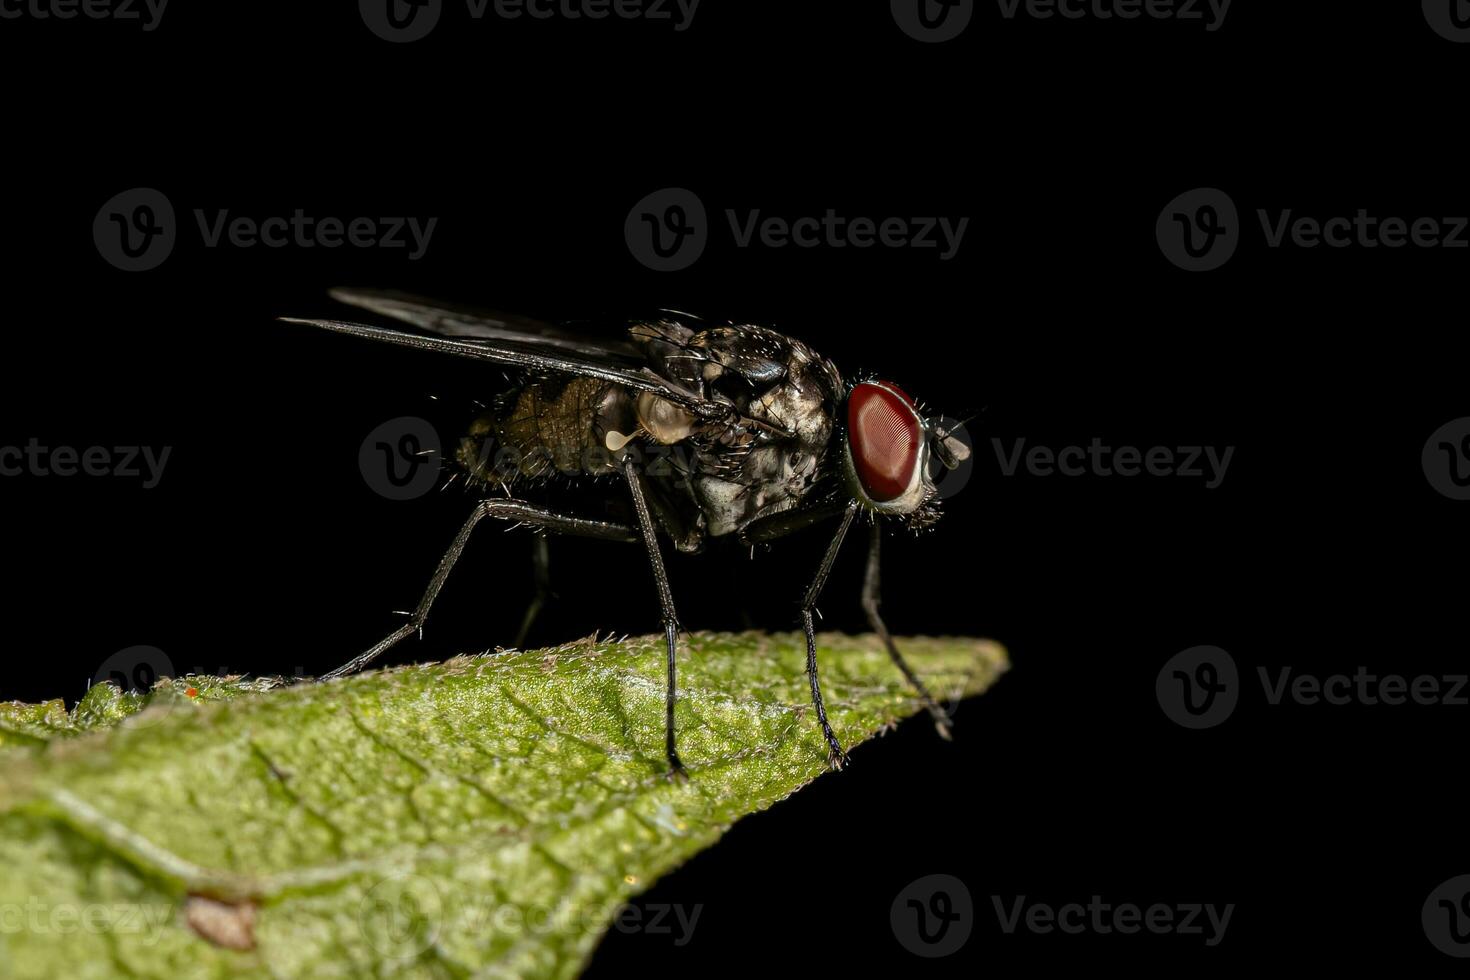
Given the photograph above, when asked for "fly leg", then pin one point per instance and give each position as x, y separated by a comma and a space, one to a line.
666, 602
511, 510
870, 606
541, 576
836, 758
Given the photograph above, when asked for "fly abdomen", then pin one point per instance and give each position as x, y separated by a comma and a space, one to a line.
547, 427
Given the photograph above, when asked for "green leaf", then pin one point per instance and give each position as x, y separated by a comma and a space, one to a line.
485, 816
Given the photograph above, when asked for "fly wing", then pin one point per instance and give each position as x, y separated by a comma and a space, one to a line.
454, 320
484, 337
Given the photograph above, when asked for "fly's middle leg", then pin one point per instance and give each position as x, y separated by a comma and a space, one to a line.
510, 510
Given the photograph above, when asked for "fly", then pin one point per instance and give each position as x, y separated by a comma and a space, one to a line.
716, 430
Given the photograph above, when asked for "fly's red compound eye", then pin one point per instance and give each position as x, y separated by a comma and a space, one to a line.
884, 434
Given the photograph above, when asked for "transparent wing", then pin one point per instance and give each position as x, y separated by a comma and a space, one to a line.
454, 320
512, 341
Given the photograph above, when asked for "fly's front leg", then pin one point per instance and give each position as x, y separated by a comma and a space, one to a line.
870, 606
836, 758
666, 602
513, 510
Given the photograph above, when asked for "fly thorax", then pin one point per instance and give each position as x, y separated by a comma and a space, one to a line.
726, 504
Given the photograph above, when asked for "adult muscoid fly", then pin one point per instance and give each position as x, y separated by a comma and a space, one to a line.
717, 430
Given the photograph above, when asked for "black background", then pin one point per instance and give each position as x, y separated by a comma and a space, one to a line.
1325, 547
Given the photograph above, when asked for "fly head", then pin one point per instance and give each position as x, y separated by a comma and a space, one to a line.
889, 449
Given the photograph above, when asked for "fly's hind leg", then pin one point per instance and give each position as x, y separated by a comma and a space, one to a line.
870, 606
541, 577
510, 510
